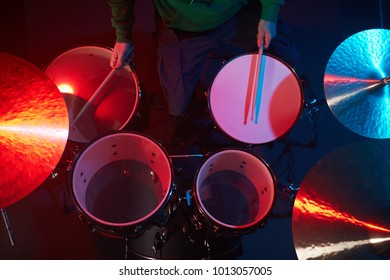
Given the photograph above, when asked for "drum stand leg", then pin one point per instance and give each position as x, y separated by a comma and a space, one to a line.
207, 245
8, 226
126, 248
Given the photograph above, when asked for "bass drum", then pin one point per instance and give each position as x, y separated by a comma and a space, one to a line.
278, 104
121, 183
234, 193
78, 73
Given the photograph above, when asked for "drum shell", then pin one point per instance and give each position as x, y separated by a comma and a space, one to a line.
232, 160
78, 73
153, 154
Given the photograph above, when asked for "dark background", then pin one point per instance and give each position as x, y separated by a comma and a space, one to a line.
40, 30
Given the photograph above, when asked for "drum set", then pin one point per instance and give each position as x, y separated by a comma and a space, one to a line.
123, 183
341, 209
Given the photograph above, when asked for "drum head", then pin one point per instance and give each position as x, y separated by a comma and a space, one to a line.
279, 99
121, 179
78, 73
235, 189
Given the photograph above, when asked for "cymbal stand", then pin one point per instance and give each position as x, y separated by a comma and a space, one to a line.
381, 13
8, 226
309, 112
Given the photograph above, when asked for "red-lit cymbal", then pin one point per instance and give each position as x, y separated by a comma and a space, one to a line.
342, 209
34, 128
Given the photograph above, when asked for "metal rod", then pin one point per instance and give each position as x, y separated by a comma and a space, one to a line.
259, 87
255, 83
381, 13
8, 226
186, 156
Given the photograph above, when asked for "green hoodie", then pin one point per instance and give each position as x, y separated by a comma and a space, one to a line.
188, 15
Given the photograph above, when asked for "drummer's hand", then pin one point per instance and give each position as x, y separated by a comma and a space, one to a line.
266, 32
121, 55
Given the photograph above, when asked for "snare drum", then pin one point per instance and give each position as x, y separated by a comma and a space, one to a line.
78, 73
121, 183
234, 192
280, 103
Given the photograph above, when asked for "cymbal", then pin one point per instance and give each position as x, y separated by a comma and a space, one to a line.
356, 83
342, 209
34, 128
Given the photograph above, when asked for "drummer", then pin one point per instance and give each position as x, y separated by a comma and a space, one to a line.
193, 39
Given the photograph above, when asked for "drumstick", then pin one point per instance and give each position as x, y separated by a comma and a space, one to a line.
93, 97
249, 91
254, 87
255, 100
252, 97
259, 86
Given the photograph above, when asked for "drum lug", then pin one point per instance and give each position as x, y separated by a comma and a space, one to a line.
216, 229
196, 222
161, 221
82, 218
90, 227
157, 244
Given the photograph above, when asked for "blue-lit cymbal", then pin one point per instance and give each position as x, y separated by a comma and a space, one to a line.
356, 83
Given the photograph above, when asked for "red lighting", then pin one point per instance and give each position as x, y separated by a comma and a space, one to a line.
347, 80
322, 210
65, 88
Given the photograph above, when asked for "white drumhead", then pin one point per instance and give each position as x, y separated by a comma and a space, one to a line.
279, 105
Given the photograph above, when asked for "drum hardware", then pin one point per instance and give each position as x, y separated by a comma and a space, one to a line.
162, 237
126, 248
190, 229
311, 102
167, 228
310, 110
8, 226
112, 150
66, 165
178, 238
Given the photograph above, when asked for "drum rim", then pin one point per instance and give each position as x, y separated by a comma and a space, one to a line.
205, 213
140, 221
272, 57
68, 50
132, 71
